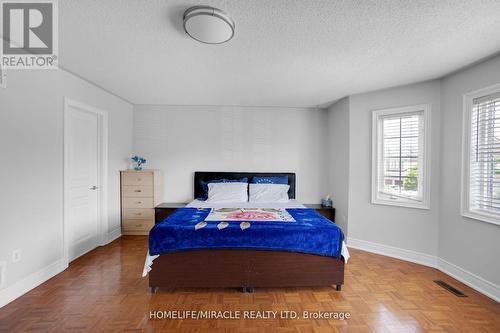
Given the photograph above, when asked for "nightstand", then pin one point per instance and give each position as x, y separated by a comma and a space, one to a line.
164, 210
328, 212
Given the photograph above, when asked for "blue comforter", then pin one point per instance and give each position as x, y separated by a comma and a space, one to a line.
311, 233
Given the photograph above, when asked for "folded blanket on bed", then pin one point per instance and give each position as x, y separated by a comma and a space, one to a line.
187, 229
249, 214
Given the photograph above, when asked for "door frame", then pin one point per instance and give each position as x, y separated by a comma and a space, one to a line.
102, 177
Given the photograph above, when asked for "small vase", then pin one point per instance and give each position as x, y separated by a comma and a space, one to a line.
138, 167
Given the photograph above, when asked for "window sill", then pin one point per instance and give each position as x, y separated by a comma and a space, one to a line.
482, 216
400, 203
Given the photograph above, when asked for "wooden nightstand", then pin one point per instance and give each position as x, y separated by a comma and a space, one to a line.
328, 212
164, 209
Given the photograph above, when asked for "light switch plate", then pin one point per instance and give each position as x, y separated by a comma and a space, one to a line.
16, 255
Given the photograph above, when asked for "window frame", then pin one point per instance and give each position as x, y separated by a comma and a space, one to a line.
465, 208
426, 156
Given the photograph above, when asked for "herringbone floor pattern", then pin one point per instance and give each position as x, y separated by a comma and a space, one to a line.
103, 292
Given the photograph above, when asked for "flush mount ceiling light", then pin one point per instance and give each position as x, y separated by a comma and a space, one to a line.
208, 25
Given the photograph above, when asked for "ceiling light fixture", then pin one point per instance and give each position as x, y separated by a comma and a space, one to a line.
208, 25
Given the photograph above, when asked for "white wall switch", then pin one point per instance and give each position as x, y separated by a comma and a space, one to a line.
16, 255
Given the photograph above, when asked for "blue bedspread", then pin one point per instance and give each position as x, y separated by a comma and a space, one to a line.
311, 233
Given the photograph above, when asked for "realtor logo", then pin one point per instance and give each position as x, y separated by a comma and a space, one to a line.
29, 34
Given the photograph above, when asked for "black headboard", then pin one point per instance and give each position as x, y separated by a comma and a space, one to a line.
200, 176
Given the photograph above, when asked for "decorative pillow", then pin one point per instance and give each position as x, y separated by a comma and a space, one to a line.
271, 180
204, 184
269, 193
227, 192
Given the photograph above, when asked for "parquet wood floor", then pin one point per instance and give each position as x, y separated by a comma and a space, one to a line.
103, 291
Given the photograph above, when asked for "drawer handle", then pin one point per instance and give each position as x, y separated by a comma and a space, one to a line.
139, 202
138, 191
138, 213
138, 225
139, 179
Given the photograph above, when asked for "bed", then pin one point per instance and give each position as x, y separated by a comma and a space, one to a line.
305, 249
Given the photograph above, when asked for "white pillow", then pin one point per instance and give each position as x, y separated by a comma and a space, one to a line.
269, 193
227, 192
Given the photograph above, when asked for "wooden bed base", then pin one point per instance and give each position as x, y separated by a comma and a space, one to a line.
245, 269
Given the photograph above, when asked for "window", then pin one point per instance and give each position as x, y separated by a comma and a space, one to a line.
481, 162
400, 152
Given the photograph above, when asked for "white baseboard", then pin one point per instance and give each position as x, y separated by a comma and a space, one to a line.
33, 280
470, 279
475, 282
115, 234
394, 252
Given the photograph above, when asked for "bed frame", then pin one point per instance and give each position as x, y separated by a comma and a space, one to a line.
246, 269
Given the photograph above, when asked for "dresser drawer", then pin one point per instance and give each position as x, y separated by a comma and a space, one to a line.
137, 178
137, 191
131, 202
137, 225
139, 213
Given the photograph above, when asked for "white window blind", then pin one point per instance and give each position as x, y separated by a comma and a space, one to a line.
400, 164
484, 168
401, 161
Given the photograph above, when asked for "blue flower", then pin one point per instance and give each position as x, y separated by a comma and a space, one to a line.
138, 159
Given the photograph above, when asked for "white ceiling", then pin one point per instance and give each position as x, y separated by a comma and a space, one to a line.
284, 53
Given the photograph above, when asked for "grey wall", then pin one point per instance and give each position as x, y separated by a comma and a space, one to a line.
470, 244
408, 228
31, 144
182, 139
338, 162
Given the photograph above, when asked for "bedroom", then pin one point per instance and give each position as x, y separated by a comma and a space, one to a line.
309, 90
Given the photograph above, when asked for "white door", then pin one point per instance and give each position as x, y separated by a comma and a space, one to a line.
82, 149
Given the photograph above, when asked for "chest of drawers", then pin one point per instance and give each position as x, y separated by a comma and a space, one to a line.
141, 191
